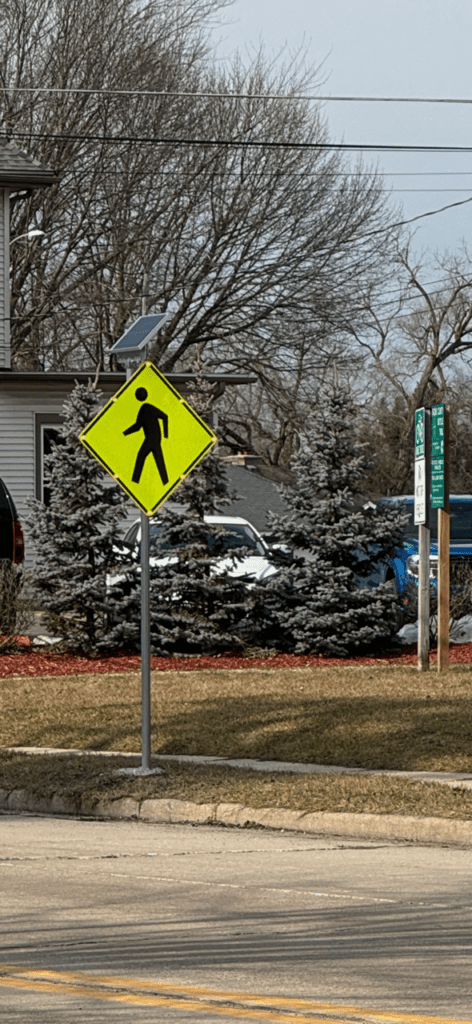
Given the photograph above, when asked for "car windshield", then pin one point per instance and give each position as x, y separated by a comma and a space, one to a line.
236, 535
239, 535
461, 521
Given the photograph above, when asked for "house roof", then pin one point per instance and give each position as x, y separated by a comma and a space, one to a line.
19, 170
256, 496
110, 380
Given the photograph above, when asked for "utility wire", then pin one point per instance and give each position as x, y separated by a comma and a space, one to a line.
322, 174
419, 216
238, 95
272, 145
245, 143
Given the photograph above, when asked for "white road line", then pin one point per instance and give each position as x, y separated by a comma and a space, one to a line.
260, 888
179, 853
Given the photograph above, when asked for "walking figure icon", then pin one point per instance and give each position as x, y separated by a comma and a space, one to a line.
148, 421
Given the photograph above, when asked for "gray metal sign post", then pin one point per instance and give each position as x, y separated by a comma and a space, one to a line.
145, 641
145, 646
422, 435
134, 340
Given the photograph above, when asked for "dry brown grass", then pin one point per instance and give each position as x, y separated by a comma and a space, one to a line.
97, 777
386, 717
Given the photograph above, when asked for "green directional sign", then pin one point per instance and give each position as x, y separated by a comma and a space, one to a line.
437, 483
419, 433
437, 457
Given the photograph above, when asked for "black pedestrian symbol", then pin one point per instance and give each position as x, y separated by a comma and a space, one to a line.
148, 421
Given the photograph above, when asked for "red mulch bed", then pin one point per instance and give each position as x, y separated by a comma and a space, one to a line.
31, 662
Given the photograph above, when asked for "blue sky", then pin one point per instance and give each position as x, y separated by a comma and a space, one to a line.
416, 48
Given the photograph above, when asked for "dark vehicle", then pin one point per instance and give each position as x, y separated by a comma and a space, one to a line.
12, 544
12, 553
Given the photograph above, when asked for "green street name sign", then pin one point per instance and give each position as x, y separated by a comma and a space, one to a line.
437, 457
437, 432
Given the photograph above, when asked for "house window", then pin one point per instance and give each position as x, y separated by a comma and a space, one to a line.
47, 431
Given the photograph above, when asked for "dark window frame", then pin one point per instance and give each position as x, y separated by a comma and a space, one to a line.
42, 420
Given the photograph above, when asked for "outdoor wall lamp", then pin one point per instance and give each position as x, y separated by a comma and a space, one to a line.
34, 233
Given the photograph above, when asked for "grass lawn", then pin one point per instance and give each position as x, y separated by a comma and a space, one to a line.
97, 776
360, 716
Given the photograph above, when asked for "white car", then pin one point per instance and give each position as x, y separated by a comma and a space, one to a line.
255, 564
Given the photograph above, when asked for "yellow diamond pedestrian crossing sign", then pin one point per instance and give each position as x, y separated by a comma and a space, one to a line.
148, 438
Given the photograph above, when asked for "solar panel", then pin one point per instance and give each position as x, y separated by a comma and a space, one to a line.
140, 333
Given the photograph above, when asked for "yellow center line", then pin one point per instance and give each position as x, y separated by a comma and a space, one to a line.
133, 991
143, 1000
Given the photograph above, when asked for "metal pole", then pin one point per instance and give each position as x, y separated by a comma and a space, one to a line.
444, 523
145, 295
424, 555
423, 599
145, 646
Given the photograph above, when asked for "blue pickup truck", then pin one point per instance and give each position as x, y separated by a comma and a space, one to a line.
403, 569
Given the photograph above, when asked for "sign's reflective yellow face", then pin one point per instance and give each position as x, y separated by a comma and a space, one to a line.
148, 438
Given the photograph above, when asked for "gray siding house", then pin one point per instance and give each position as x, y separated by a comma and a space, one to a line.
18, 173
30, 413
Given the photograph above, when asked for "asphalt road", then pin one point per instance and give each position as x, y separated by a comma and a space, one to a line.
123, 921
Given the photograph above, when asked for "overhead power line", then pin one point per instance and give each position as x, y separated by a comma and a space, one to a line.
89, 90
419, 216
244, 143
339, 174
391, 99
262, 144
415, 174
396, 190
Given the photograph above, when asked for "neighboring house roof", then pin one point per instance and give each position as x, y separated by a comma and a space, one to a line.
110, 380
18, 170
256, 497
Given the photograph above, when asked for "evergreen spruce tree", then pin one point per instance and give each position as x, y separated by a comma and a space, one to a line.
196, 605
76, 537
322, 603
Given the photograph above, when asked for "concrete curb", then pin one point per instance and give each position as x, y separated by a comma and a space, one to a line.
370, 826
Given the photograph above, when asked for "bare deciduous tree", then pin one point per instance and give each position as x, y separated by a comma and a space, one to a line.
416, 347
73, 291
229, 210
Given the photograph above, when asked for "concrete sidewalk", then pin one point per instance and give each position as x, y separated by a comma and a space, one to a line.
458, 780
